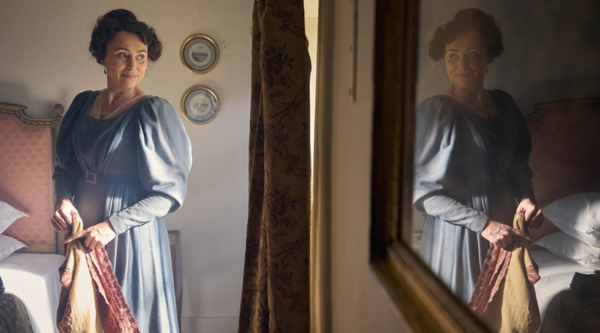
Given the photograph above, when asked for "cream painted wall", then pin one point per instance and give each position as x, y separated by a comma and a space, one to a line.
44, 60
358, 303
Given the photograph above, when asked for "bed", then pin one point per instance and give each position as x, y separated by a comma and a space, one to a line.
565, 162
26, 152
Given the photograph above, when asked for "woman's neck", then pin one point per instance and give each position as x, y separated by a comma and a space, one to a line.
116, 95
477, 95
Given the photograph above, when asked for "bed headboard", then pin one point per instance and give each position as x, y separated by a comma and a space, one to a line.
27, 163
565, 157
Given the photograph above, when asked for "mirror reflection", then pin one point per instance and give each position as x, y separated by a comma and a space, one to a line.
505, 174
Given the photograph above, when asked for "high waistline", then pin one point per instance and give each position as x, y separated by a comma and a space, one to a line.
93, 178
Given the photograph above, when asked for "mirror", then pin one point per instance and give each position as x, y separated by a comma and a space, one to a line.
487, 108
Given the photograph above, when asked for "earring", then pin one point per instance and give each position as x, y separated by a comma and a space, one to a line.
146, 72
104, 70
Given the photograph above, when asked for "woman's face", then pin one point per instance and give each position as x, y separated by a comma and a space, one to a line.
466, 60
126, 60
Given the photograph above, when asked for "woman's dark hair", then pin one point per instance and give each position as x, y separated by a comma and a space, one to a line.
122, 20
469, 19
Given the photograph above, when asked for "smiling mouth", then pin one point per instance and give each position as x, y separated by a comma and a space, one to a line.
130, 76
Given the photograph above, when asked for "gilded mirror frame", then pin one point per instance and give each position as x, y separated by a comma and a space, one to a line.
425, 304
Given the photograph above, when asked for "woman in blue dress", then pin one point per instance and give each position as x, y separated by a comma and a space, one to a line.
122, 161
471, 157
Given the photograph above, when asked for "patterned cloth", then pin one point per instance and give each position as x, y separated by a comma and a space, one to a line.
13, 315
275, 295
91, 299
504, 297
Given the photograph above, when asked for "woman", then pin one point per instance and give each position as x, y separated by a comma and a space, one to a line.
471, 157
122, 161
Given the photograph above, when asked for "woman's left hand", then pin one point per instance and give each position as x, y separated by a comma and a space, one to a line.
533, 215
95, 236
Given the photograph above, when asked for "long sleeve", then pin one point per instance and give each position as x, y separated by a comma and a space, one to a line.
439, 137
67, 169
164, 160
452, 211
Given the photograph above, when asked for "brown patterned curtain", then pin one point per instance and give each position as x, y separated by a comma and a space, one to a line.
275, 295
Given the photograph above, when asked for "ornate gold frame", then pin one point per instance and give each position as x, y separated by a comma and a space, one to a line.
424, 302
19, 112
211, 41
183, 104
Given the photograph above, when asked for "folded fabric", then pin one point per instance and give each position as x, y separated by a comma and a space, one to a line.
13, 316
504, 297
8, 245
91, 299
572, 249
8, 215
578, 216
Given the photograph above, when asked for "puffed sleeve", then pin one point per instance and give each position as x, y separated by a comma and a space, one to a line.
164, 160
440, 134
520, 174
67, 169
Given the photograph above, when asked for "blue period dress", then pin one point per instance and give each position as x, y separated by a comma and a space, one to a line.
146, 154
467, 169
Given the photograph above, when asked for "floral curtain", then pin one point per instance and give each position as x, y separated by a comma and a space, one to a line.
275, 295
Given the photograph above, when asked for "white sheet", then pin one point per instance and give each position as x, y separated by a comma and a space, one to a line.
33, 278
556, 274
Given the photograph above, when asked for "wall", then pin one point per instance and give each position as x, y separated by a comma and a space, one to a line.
358, 302
44, 60
551, 49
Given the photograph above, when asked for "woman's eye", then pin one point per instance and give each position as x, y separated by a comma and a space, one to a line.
141, 57
122, 56
453, 56
474, 55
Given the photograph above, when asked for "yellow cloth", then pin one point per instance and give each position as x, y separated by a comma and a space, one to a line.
514, 307
80, 308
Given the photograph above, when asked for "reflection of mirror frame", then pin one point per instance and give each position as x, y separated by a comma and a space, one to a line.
425, 303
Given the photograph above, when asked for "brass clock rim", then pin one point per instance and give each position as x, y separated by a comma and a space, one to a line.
187, 40
185, 95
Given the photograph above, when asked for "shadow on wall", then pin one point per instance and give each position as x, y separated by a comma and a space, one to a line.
18, 94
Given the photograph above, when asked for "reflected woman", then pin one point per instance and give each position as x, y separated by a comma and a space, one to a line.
471, 157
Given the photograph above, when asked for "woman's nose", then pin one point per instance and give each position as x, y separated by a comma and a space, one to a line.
463, 62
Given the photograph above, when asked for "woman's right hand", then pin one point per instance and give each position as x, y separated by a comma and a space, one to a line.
498, 234
63, 216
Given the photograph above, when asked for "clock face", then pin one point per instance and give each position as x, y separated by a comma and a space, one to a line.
200, 105
199, 54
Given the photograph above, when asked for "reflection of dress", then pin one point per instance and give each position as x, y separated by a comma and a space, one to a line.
467, 168
148, 147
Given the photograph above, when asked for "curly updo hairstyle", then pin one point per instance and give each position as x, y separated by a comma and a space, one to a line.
469, 19
122, 20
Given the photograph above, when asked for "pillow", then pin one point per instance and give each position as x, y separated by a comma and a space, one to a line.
572, 249
578, 216
8, 215
8, 245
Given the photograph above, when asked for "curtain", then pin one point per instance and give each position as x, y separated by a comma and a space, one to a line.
275, 294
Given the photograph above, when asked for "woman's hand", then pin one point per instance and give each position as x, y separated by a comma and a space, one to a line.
63, 216
96, 236
498, 234
533, 215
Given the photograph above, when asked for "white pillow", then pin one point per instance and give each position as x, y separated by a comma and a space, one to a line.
8, 215
8, 245
578, 216
572, 249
